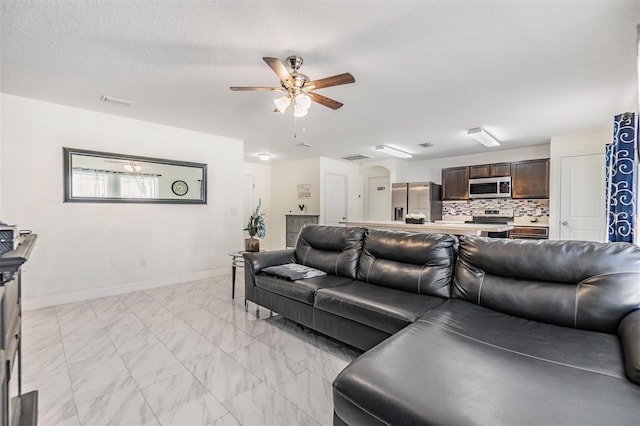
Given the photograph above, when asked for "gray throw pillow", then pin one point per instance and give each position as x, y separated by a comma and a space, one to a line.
293, 271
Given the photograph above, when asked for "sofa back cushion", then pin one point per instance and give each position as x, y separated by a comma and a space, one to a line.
415, 262
579, 284
332, 249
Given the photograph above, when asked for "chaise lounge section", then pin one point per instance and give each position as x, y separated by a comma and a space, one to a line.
487, 331
535, 333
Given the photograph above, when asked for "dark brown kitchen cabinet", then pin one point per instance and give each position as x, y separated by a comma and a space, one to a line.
455, 183
530, 179
490, 170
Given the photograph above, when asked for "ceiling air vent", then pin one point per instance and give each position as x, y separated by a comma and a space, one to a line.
356, 157
426, 145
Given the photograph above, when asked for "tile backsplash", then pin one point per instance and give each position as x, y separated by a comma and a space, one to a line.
521, 208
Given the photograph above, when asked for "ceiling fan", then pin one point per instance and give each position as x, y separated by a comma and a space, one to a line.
299, 90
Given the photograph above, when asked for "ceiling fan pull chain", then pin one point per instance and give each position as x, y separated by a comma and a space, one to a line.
295, 121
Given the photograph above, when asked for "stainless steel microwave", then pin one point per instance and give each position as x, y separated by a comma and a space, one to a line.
495, 187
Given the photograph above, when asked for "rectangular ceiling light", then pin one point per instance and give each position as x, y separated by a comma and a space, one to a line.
479, 135
393, 151
121, 101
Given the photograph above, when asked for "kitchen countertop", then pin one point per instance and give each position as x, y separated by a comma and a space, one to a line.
456, 228
519, 222
532, 224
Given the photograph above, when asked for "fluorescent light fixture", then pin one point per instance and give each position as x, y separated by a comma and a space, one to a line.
264, 156
113, 99
480, 135
393, 151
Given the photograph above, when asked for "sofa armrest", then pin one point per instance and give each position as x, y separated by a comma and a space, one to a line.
255, 262
629, 332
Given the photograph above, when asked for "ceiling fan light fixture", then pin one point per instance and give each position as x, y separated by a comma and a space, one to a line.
132, 167
298, 111
264, 156
282, 103
393, 151
303, 101
480, 135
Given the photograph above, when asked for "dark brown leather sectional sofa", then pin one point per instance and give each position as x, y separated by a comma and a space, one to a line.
469, 331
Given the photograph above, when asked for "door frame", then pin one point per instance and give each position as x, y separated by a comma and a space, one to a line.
346, 198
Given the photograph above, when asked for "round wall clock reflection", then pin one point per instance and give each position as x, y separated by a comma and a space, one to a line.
180, 187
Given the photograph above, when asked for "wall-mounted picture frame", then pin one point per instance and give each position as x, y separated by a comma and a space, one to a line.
304, 190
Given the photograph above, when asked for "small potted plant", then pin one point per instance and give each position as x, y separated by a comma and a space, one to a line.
415, 218
256, 228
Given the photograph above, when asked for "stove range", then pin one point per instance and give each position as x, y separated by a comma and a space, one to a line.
493, 217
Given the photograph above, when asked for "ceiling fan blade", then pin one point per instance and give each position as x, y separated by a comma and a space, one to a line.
247, 89
335, 80
323, 100
278, 67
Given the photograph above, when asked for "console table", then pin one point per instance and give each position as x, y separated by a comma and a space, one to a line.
294, 223
17, 408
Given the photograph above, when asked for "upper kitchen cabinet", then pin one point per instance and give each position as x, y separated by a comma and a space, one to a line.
455, 183
530, 179
490, 170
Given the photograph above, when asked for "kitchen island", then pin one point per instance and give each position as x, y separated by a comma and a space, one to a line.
455, 228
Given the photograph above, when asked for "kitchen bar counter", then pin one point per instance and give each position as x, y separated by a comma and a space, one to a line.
437, 227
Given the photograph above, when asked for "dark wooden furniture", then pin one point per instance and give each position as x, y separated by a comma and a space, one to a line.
530, 179
17, 408
529, 233
295, 222
455, 183
490, 170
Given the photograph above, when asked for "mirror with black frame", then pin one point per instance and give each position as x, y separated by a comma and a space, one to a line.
92, 176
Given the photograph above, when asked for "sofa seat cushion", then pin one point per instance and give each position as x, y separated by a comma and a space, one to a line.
300, 290
382, 308
501, 370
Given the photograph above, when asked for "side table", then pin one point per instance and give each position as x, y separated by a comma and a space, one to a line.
237, 261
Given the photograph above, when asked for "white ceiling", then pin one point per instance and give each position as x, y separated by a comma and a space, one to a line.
425, 71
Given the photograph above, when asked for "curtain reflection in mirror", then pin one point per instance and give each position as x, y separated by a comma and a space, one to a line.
112, 184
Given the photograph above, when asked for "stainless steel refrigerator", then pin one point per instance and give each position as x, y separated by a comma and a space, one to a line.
416, 197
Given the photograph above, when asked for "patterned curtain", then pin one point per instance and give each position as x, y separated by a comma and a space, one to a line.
621, 179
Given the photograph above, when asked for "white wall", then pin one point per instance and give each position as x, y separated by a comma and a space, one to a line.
590, 142
1, 139
431, 170
89, 250
285, 178
262, 181
355, 186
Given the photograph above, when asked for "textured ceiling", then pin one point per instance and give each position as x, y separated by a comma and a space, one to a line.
425, 71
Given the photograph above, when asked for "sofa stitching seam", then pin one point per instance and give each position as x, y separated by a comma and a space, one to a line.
575, 311
420, 277
480, 289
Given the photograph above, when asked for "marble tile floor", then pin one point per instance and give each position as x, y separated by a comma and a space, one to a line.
185, 354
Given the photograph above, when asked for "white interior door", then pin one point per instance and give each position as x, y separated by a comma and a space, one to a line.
248, 202
582, 198
335, 199
378, 198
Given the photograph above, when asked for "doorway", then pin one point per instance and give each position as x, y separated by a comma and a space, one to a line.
378, 198
248, 194
582, 198
335, 199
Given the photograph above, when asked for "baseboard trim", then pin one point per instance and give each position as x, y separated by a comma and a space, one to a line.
105, 291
